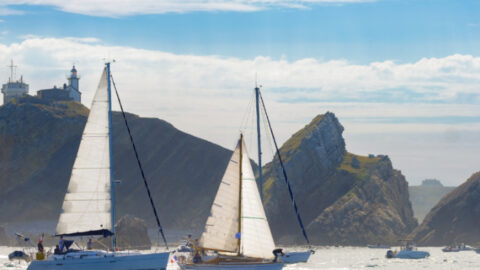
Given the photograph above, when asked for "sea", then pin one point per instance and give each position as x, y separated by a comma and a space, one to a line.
343, 258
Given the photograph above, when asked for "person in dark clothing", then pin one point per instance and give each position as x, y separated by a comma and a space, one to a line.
57, 250
277, 252
40, 246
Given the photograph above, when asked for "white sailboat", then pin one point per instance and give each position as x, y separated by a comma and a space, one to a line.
88, 207
236, 234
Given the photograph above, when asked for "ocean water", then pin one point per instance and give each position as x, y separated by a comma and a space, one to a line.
346, 258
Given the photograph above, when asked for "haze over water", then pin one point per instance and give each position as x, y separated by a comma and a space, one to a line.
347, 258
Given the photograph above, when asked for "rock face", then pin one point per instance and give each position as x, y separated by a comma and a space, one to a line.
132, 234
344, 199
454, 219
4, 239
39, 142
425, 196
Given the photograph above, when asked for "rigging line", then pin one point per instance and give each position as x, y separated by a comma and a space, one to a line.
246, 115
285, 174
140, 165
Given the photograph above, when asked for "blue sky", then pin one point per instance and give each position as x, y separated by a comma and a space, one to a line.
360, 32
405, 73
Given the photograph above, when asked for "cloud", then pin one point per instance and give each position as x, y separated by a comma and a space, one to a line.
5, 11
113, 8
208, 96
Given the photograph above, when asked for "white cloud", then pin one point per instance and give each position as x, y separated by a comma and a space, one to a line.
5, 11
208, 95
113, 8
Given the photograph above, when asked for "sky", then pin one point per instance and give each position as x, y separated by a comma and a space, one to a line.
402, 76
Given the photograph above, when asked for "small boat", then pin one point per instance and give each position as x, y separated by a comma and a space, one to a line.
379, 246
457, 248
408, 251
89, 207
451, 249
237, 234
19, 255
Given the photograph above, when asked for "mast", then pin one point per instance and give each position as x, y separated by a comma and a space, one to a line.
257, 105
240, 196
112, 184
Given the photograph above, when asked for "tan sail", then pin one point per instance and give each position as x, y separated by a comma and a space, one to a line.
222, 224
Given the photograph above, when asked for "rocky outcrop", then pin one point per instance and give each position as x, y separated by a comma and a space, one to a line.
132, 234
425, 196
344, 199
454, 219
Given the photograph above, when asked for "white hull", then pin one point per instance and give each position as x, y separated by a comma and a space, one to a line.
296, 257
102, 261
253, 266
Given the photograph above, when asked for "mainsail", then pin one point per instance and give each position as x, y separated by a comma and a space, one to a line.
87, 206
222, 224
256, 237
221, 231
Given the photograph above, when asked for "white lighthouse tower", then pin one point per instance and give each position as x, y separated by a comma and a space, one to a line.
14, 88
73, 87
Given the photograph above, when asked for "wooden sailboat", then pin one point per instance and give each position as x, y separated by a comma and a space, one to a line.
237, 234
89, 206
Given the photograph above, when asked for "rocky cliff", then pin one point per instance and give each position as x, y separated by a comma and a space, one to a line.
425, 196
39, 142
344, 199
454, 219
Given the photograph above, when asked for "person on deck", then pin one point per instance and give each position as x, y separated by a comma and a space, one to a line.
89, 244
61, 243
40, 245
57, 250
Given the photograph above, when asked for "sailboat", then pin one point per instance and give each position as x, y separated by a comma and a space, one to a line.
89, 206
237, 234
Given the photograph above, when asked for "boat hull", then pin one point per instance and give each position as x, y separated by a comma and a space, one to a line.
157, 261
296, 257
262, 266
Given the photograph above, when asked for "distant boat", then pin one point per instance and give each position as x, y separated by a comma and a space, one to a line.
457, 248
89, 208
237, 234
408, 251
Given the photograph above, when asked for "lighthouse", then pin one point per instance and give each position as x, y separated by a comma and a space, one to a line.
72, 87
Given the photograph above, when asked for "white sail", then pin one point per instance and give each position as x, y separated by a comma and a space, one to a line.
87, 205
222, 224
256, 237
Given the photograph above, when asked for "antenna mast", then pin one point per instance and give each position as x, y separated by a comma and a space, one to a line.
12, 71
